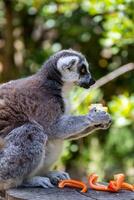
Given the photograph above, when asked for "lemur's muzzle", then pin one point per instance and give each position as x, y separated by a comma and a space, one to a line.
86, 82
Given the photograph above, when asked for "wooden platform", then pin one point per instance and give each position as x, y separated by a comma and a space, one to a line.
65, 194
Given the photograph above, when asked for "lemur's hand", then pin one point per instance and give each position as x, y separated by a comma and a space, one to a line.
99, 118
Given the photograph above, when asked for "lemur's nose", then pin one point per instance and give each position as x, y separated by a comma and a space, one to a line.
92, 81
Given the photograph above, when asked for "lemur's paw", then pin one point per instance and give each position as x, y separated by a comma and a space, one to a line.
56, 176
38, 181
99, 118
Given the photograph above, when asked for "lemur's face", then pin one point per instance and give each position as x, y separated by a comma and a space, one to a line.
73, 67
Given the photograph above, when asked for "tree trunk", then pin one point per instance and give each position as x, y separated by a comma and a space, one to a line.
9, 69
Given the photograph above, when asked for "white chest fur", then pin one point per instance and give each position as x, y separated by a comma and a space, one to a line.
65, 91
53, 150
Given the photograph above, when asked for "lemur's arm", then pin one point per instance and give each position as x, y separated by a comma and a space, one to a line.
89, 130
73, 126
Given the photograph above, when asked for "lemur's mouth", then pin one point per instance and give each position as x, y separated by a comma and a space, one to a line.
84, 85
87, 83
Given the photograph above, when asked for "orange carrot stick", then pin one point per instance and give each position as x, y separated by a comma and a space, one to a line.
84, 189
113, 186
127, 186
92, 180
73, 183
117, 183
119, 178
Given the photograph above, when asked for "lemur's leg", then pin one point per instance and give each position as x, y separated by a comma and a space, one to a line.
51, 178
69, 126
22, 155
38, 181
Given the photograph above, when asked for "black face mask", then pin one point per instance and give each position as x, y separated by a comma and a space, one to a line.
86, 81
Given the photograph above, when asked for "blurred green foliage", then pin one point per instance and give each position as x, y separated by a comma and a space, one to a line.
32, 30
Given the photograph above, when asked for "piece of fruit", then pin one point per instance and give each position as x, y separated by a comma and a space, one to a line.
98, 107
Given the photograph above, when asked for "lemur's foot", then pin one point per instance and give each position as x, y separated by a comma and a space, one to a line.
99, 118
38, 181
56, 176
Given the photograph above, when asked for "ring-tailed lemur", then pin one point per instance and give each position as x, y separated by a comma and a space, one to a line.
34, 125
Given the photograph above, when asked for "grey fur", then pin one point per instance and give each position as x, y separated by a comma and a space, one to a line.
22, 153
35, 106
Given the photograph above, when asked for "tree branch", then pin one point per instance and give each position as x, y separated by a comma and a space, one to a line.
116, 73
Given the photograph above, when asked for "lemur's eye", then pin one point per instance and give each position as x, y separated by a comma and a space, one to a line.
83, 70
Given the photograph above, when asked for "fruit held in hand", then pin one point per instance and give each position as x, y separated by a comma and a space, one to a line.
98, 107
